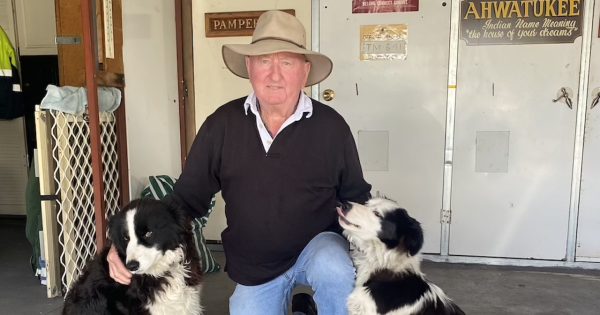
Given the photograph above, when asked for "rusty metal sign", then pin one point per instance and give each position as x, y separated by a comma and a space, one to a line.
518, 22
383, 42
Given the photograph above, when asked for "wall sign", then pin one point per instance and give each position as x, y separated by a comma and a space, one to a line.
383, 42
384, 6
224, 24
501, 22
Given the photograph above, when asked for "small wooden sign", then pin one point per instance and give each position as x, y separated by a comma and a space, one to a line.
224, 24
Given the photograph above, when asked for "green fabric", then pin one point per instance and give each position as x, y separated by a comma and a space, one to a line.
11, 97
33, 226
7, 52
162, 185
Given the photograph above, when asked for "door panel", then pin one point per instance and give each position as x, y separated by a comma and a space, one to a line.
35, 24
513, 150
588, 232
13, 167
395, 108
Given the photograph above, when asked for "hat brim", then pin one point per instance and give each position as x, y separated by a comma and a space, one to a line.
234, 58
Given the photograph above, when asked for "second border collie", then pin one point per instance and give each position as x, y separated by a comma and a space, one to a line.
389, 280
155, 242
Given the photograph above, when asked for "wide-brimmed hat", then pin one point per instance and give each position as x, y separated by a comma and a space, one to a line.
277, 31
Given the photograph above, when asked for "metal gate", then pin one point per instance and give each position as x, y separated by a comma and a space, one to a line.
64, 155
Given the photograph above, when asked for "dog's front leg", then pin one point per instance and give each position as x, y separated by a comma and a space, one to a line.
360, 302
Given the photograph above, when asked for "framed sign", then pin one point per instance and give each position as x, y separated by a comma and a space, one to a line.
224, 24
384, 6
383, 42
509, 22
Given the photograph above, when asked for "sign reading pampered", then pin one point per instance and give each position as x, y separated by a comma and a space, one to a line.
496, 22
222, 24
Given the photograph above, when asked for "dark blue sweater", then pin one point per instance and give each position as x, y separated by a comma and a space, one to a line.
275, 202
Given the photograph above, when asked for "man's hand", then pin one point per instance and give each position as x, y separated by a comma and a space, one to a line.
118, 271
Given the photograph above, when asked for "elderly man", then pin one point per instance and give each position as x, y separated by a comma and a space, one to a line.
281, 161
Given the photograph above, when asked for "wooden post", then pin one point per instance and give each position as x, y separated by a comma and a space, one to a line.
89, 47
181, 88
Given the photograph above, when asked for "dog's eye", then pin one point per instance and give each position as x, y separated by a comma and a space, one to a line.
377, 214
126, 237
148, 235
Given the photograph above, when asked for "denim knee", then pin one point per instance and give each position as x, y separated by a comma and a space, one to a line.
330, 272
330, 262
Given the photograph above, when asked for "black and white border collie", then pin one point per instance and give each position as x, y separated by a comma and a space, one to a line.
386, 243
156, 243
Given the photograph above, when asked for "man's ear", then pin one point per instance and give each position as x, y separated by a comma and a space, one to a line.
307, 68
247, 59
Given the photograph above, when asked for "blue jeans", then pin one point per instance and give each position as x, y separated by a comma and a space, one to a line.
324, 265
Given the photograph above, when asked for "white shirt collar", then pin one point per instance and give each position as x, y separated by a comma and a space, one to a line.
304, 106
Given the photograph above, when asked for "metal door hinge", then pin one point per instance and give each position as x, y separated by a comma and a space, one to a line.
446, 216
67, 40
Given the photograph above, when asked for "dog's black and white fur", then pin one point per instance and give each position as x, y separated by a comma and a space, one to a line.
386, 242
156, 243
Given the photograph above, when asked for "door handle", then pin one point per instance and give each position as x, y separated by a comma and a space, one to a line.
564, 94
595, 100
328, 94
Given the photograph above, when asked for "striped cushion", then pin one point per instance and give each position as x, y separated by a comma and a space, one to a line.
162, 185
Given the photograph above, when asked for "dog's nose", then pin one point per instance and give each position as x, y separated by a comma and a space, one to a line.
133, 265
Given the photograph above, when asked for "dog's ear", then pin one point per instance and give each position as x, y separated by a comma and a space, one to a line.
398, 229
115, 232
112, 227
389, 233
178, 213
413, 236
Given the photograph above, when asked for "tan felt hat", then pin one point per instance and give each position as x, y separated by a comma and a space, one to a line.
277, 31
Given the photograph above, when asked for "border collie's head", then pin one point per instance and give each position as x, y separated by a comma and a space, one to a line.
149, 236
381, 222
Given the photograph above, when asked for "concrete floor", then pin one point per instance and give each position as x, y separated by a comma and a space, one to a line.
20, 291
478, 289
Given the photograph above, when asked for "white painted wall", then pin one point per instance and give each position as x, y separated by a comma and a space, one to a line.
7, 20
214, 83
151, 100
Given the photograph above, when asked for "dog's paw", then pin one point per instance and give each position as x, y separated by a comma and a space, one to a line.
360, 303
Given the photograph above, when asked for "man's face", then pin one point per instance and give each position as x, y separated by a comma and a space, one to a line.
277, 79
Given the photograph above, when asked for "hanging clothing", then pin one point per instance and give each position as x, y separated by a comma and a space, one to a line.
11, 96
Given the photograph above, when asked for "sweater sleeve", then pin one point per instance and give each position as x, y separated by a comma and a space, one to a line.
353, 186
199, 180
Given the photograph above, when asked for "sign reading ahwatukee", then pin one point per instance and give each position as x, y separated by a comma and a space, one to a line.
501, 22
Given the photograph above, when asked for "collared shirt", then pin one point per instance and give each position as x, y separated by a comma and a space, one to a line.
304, 106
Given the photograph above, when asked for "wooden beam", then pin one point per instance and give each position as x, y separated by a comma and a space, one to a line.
180, 80
90, 51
